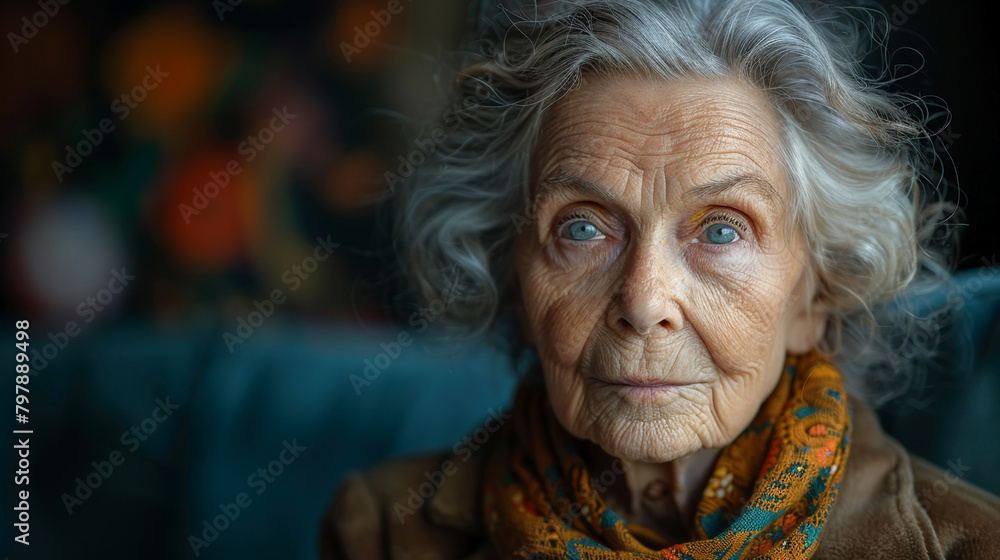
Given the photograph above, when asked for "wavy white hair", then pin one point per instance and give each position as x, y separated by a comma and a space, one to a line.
864, 195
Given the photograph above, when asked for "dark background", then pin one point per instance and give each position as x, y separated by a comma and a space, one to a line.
320, 177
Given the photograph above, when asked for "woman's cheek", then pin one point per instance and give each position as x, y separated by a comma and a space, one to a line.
565, 304
725, 302
738, 309
729, 267
582, 258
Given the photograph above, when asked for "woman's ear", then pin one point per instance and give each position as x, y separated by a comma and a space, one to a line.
809, 316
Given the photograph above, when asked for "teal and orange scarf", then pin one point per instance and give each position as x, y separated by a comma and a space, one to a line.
769, 496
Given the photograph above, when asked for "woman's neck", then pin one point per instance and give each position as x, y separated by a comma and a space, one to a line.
663, 496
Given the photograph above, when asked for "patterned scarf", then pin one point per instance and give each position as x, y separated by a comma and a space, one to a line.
768, 497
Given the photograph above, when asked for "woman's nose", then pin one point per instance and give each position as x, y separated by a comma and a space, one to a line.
647, 300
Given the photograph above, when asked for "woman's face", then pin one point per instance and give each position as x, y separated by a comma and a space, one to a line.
655, 279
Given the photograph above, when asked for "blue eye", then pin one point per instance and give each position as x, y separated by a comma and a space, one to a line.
721, 234
582, 231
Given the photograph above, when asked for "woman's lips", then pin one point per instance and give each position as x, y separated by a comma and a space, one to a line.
629, 379
644, 391
646, 376
645, 387
652, 382
647, 384
637, 390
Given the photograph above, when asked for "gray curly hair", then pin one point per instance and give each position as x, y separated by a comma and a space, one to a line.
863, 196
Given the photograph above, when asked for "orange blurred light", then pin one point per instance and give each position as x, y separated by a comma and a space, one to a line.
209, 209
364, 33
180, 45
355, 180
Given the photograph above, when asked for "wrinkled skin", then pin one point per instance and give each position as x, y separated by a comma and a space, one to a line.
660, 333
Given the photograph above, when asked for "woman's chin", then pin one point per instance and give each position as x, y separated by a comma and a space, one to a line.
648, 453
659, 441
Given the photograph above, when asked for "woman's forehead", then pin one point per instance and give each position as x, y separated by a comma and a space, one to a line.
692, 131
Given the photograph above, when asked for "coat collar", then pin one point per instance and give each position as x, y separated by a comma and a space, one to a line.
456, 505
877, 491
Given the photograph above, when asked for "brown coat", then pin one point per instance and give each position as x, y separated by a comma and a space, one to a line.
890, 506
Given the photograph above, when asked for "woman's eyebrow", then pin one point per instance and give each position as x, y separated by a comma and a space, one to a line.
561, 181
751, 182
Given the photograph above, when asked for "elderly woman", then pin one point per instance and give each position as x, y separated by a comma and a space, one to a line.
691, 211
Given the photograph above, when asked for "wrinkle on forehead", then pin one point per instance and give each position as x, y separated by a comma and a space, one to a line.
706, 123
